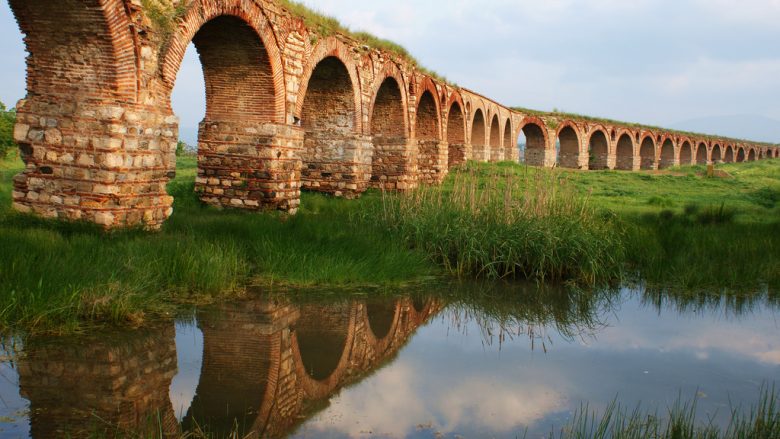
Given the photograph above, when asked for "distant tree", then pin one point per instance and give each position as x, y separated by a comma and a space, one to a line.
7, 121
181, 148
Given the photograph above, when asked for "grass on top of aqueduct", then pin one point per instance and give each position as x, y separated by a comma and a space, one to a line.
668, 228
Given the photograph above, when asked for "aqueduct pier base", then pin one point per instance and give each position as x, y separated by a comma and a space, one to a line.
287, 108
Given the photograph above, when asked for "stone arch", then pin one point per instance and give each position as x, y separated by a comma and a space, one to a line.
666, 154
321, 347
78, 49
535, 132
496, 154
203, 12
716, 155
432, 160
624, 151
569, 138
647, 152
598, 150
701, 153
382, 320
740, 155
389, 128
456, 131
329, 117
751, 155
508, 146
686, 153
478, 135
728, 154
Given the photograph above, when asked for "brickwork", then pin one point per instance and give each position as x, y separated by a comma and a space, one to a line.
666, 155
599, 151
478, 137
287, 108
569, 154
456, 135
686, 153
624, 153
701, 154
647, 154
716, 155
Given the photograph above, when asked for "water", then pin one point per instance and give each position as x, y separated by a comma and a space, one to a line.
508, 366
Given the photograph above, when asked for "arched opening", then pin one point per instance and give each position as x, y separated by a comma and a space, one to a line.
666, 158
328, 119
569, 153
478, 136
598, 151
728, 156
740, 155
535, 144
752, 155
496, 154
624, 153
717, 156
388, 130
456, 135
508, 146
239, 95
321, 333
701, 154
75, 52
686, 154
431, 160
381, 315
647, 154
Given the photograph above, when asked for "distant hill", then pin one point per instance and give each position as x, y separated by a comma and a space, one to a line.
742, 126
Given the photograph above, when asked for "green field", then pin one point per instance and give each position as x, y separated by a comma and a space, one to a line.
678, 231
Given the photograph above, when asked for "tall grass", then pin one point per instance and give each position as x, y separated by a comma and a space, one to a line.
761, 421
508, 226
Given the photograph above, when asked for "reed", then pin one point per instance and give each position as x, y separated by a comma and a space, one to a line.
504, 225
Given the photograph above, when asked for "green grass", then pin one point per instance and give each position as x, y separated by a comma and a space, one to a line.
61, 276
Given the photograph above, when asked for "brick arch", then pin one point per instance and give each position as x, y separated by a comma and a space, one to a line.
381, 342
537, 142
716, 153
647, 151
456, 130
202, 12
751, 156
625, 150
598, 147
666, 152
508, 145
701, 152
685, 151
429, 90
728, 153
331, 47
391, 71
495, 138
479, 130
432, 154
569, 135
81, 48
321, 388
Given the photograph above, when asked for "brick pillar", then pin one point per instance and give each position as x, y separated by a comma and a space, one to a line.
394, 165
99, 162
336, 163
95, 386
249, 165
457, 154
433, 158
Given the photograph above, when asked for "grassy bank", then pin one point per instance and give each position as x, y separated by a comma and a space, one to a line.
674, 230
57, 276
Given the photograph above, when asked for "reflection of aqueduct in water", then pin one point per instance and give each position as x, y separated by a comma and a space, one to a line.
287, 107
266, 366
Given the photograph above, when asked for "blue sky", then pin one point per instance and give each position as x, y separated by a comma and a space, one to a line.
652, 61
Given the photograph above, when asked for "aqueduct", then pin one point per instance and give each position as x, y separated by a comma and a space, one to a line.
266, 366
288, 108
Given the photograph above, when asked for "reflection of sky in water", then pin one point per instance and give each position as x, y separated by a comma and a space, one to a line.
452, 382
453, 379
13, 408
189, 353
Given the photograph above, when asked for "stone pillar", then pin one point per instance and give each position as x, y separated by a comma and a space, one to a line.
104, 163
336, 163
457, 154
395, 164
433, 158
249, 165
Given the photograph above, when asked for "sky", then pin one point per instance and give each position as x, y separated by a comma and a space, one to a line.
659, 62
